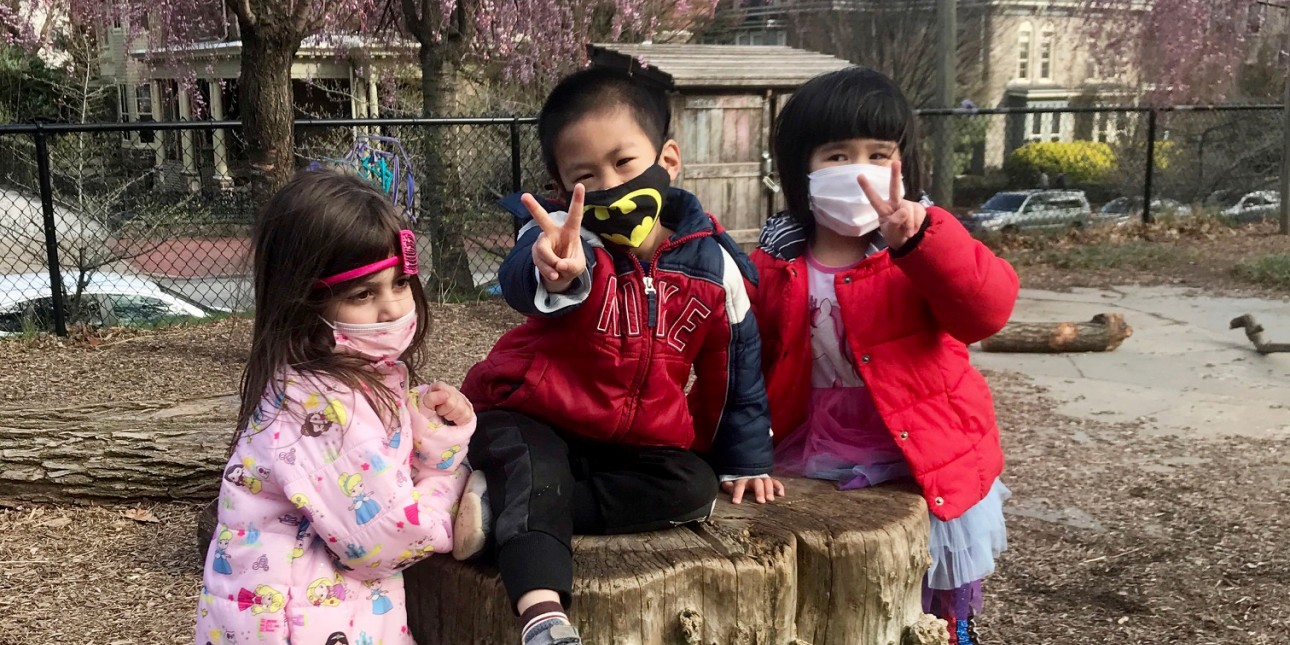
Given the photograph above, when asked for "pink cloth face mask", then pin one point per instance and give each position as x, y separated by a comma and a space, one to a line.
377, 342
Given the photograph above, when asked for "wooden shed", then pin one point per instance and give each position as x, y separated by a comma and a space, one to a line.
726, 97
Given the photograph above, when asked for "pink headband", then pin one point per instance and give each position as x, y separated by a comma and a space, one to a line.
408, 257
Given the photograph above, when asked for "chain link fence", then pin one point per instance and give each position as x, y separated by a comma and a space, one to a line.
149, 224
1030, 170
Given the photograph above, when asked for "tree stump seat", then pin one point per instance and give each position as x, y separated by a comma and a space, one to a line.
820, 567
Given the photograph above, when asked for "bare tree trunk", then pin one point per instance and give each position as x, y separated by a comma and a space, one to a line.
440, 201
267, 109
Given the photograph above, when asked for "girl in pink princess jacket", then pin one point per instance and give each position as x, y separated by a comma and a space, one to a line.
341, 475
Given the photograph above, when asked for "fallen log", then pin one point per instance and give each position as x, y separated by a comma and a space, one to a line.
1102, 334
114, 451
1254, 332
820, 566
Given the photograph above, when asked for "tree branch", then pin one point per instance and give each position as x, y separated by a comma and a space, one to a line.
242, 8
417, 20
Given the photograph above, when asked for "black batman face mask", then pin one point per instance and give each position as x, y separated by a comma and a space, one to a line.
626, 214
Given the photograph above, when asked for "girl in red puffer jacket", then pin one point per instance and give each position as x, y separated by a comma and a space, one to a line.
867, 303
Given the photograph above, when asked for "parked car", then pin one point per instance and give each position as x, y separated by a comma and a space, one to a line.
1255, 207
1128, 210
1019, 210
110, 299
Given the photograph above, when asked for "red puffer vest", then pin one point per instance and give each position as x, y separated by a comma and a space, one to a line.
909, 317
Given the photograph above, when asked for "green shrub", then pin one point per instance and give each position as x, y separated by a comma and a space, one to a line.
1083, 162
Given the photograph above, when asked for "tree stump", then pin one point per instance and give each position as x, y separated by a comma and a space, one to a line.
1102, 334
821, 566
113, 450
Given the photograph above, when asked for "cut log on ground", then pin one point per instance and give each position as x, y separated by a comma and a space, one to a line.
1254, 332
821, 566
113, 451
1102, 334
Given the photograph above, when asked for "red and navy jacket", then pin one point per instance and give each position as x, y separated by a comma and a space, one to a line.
909, 316
609, 360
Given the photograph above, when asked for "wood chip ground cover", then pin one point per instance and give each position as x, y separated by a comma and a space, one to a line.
1115, 536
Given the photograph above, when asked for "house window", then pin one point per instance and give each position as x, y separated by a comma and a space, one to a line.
1023, 52
1256, 16
123, 108
123, 104
1092, 69
1046, 54
1044, 126
1110, 127
143, 110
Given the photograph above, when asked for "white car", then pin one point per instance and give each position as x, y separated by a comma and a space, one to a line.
108, 300
1255, 207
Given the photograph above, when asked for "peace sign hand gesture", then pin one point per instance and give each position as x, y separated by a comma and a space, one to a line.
557, 253
898, 219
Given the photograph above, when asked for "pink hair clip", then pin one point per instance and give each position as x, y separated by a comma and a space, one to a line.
407, 257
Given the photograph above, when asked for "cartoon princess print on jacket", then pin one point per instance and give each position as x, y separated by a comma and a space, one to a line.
365, 508
380, 599
247, 475
221, 563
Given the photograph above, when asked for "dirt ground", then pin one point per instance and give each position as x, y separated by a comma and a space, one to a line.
1115, 536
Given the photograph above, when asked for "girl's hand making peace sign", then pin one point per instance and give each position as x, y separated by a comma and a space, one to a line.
557, 253
898, 219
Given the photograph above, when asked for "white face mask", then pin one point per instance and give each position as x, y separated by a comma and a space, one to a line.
377, 342
840, 205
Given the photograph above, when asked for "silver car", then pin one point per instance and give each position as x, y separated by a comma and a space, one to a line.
1020, 210
1255, 207
1128, 210
108, 300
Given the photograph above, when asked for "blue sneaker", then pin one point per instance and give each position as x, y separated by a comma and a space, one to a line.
553, 631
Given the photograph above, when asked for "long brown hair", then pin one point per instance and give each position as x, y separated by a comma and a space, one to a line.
320, 223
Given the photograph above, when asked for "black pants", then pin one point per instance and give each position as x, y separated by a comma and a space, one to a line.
544, 486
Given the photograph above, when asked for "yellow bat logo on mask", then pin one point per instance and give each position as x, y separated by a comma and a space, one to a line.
625, 205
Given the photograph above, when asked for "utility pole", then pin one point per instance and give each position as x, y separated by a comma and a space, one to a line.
947, 38
1285, 127
1283, 57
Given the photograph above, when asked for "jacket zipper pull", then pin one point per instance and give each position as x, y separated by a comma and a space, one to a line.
651, 300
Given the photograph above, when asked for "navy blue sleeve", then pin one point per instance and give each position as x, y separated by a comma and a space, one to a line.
518, 277
742, 444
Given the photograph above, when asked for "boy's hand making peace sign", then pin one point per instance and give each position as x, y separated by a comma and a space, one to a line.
557, 253
898, 219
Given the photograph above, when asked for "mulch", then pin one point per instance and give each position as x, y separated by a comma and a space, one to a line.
1117, 535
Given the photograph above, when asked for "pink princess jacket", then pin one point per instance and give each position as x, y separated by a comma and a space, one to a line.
322, 505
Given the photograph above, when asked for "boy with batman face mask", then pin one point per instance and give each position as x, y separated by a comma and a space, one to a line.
585, 423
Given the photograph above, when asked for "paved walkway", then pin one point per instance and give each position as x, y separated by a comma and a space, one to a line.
1183, 371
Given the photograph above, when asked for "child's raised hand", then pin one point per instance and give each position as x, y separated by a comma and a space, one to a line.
557, 254
898, 219
763, 489
449, 403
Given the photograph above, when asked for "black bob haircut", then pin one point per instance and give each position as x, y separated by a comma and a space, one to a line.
599, 90
850, 103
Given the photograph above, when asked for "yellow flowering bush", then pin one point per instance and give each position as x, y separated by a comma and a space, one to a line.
1082, 162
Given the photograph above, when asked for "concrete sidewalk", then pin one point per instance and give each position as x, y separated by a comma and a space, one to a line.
1183, 371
